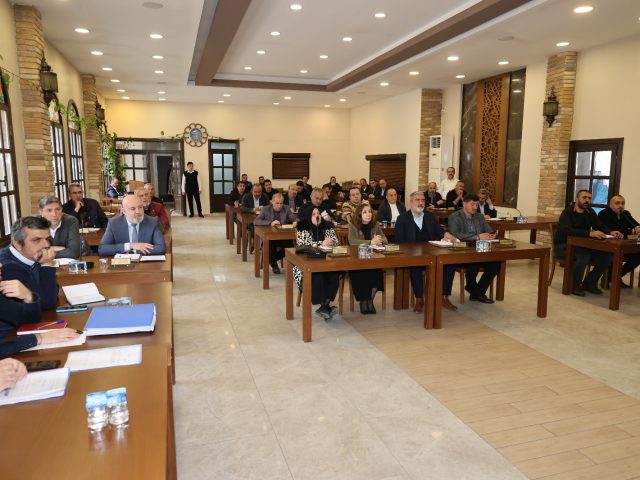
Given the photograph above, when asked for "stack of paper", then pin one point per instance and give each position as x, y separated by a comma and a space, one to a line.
82, 294
81, 340
441, 243
37, 386
104, 358
121, 319
153, 258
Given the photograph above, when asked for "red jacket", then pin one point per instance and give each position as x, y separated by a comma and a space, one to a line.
157, 210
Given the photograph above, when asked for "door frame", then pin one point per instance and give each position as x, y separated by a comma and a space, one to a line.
236, 166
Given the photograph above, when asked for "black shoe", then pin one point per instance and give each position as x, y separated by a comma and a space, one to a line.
578, 291
480, 298
364, 308
201, 215
191, 216
624, 285
591, 289
371, 307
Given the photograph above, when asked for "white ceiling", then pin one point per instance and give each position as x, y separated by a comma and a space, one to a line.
121, 28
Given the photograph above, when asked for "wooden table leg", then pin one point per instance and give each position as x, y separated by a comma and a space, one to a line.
567, 279
245, 241
437, 296
238, 236
289, 289
401, 285
230, 227
306, 306
226, 218
614, 292
429, 295
265, 263
532, 236
257, 256
502, 276
543, 285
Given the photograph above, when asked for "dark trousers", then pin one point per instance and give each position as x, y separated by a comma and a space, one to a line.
324, 286
364, 281
417, 283
276, 250
582, 257
190, 197
475, 287
631, 262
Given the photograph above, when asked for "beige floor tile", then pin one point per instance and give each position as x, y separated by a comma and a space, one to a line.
613, 451
593, 420
624, 469
598, 393
517, 436
553, 464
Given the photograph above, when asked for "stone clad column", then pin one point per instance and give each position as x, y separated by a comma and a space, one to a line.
554, 154
430, 124
93, 156
37, 141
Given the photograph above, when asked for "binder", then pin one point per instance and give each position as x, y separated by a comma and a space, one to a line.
121, 319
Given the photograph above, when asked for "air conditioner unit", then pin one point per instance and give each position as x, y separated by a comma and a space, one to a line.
440, 157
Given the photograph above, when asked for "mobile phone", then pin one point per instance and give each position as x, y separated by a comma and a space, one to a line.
42, 365
76, 308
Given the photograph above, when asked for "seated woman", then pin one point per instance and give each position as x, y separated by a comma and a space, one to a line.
433, 199
314, 231
363, 228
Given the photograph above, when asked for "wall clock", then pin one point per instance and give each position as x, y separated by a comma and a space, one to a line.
195, 134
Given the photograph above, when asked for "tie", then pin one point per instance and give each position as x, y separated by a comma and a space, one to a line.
134, 234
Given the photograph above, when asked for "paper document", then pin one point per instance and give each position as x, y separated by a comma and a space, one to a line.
65, 261
609, 236
441, 243
153, 258
104, 358
134, 257
37, 386
81, 340
82, 294
325, 248
89, 230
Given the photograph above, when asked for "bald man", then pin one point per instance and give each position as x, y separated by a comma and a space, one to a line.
132, 231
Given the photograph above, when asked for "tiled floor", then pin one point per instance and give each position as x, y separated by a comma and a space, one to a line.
504, 389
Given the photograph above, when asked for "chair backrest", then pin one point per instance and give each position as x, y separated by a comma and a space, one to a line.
343, 235
134, 185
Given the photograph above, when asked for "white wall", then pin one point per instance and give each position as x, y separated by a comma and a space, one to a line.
452, 117
391, 125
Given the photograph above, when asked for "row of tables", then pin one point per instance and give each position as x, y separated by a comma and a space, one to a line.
50, 438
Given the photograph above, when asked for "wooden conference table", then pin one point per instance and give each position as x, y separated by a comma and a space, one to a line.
93, 238
533, 224
263, 235
141, 272
611, 245
229, 211
243, 222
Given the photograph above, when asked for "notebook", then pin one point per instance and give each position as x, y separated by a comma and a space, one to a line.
81, 340
153, 258
134, 257
121, 319
104, 358
82, 294
40, 327
37, 386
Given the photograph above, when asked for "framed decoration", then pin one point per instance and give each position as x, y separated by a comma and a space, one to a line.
195, 134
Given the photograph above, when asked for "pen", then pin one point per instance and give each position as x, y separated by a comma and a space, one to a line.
51, 323
5, 392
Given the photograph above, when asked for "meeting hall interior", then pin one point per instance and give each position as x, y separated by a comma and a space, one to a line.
412, 253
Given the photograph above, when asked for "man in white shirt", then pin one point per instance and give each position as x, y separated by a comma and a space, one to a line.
449, 183
392, 208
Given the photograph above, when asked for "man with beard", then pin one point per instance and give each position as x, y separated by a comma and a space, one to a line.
153, 209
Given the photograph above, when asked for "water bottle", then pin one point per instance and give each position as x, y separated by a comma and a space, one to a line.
104, 264
118, 408
362, 250
97, 413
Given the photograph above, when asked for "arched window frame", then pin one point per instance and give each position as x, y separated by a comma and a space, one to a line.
9, 194
58, 152
76, 152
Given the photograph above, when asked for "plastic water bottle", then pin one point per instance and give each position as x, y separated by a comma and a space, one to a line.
97, 413
118, 408
362, 251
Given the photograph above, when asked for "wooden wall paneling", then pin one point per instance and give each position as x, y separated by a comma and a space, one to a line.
391, 167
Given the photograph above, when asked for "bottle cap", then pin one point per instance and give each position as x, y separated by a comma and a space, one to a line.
96, 400
116, 396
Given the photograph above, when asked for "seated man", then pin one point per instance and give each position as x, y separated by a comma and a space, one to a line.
153, 209
365, 189
86, 210
318, 201
468, 225
418, 226
307, 186
261, 181
579, 220
152, 193
302, 192
132, 231
328, 197
65, 233
454, 197
485, 205
235, 197
246, 181
25, 258
335, 186
381, 190
432, 197
355, 199
293, 199
268, 189
253, 201
373, 186
391, 209
617, 218
112, 189
276, 214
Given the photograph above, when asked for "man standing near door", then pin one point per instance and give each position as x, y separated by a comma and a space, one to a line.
191, 188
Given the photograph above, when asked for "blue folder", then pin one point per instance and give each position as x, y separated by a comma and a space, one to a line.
121, 319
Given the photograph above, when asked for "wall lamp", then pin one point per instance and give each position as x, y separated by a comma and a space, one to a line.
550, 107
99, 113
48, 82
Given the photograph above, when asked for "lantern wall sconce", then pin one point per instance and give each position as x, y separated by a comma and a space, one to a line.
48, 82
550, 107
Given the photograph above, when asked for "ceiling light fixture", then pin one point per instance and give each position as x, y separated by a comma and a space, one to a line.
159, 72
248, 68
327, 106
562, 44
107, 69
343, 99
276, 103
304, 71
275, 34
162, 99
384, 84
226, 94
517, 91
155, 36
125, 98
380, 15
295, 6
121, 90
503, 62
453, 58
414, 73
287, 98
81, 30
161, 92
460, 76
157, 57
583, 9
346, 39
96, 53
115, 80
261, 52
324, 57
220, 101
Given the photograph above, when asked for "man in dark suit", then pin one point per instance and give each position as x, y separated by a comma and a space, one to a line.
417, 226
307, 186
268, 189
365, 189
276, 214
192, 189
391, 209
335, 186
64, 230
381, 190
617, 218
318, 201
132, 231
293, 199
112, 189
86, 210
485, 205
253, 201
469, 225
235, 197
246, 181
454, 197
25, 258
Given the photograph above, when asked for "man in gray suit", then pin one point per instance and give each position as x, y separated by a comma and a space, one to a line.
276, 214
469, 225
64, 230
132, 231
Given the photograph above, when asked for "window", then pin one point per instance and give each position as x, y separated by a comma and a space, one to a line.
136, 166
594, 165
57, 151
9, 198
75, 146
290, 165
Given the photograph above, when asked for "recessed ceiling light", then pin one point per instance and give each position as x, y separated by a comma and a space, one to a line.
125, 98
460, 76
562, 44
346, 39
506, 38
384, 84
97, 53
287, 98
81, 30
414, 73
343, 99
583, 9
275, 34
295, 6
121, 90
248, 68
324, 57
226, 94
453, 58
261, 52
115, 80
155, 36
107, 69
152, 5
503, 62
276, 103
303, 71
162, 99
517, 91
380, 15
220, 101
157, 57
161, 92
159, 72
